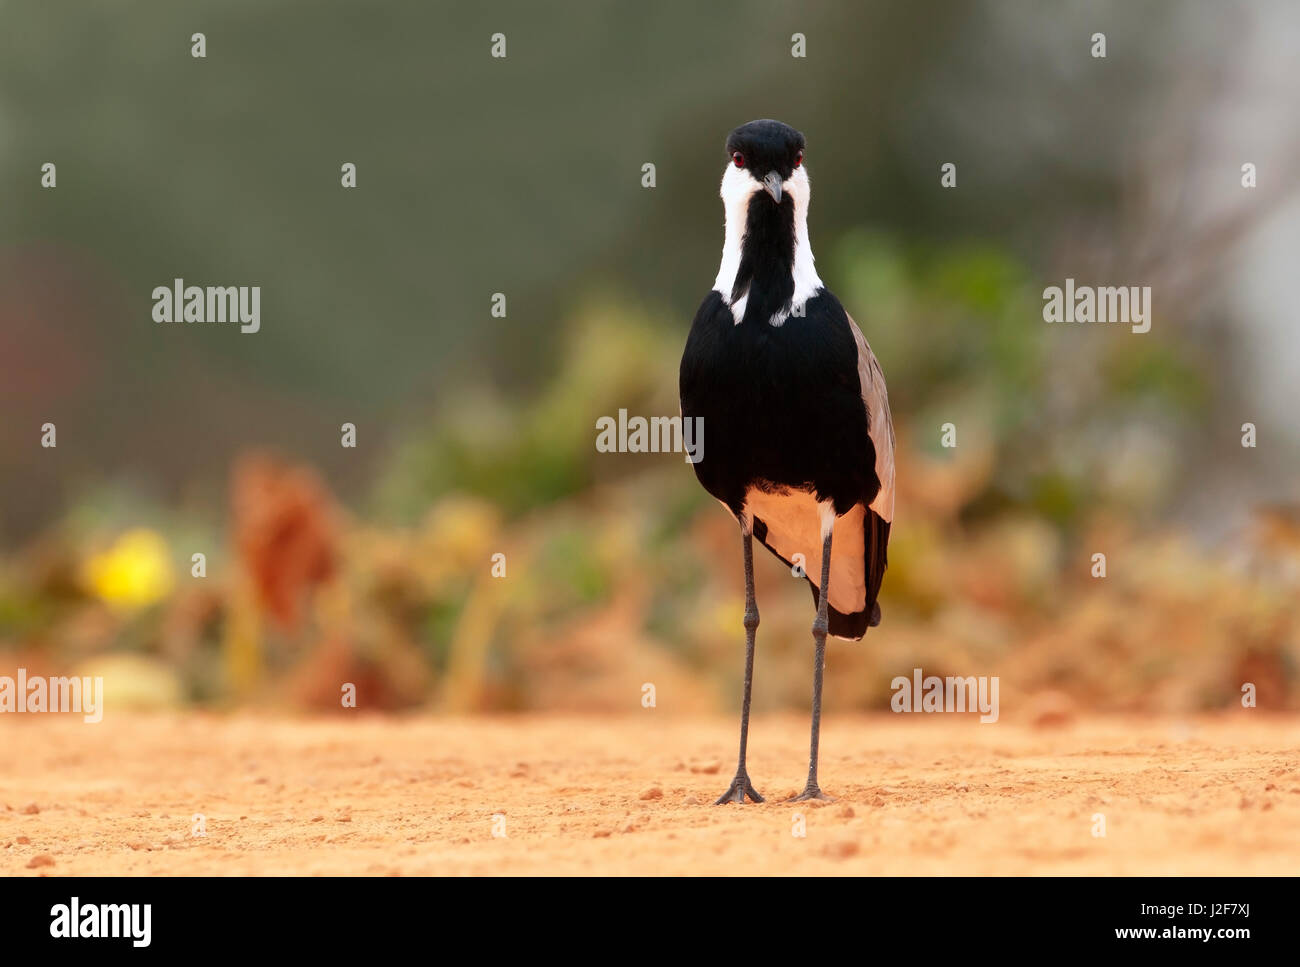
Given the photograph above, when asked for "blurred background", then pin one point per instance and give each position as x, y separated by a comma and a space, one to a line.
476, 434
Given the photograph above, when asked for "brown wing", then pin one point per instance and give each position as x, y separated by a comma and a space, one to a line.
880, 514
881, 425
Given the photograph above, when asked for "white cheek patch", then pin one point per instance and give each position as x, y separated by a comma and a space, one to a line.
806, 282
738, 186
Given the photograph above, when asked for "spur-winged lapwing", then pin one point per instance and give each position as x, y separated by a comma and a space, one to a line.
801, 444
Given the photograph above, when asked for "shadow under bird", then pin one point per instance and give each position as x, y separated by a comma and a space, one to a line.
801, 441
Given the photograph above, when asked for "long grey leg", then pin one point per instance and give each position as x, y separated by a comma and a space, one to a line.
741, 786
820, 624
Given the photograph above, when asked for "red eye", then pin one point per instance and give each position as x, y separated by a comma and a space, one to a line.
798, 159
739, 159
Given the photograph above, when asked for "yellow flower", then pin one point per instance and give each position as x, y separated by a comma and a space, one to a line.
134, 573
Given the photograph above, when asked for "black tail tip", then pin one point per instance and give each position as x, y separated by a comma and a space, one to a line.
875, 616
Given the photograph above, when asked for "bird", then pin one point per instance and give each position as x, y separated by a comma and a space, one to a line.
795, 404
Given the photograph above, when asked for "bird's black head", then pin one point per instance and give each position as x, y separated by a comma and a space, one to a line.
768, 150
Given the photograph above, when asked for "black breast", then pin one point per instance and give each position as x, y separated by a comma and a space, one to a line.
780, 404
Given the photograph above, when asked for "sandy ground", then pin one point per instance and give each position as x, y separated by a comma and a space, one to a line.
633, 795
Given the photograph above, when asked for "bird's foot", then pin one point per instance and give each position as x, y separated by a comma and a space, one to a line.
739, 789
811, 791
